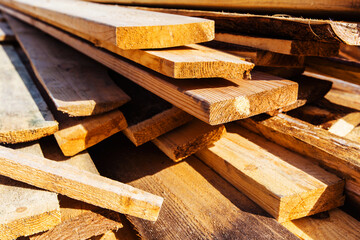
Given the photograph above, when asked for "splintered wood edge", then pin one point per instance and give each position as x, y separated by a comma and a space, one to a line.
28, 135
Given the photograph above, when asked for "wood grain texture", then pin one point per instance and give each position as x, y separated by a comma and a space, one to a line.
337, 154
286, 185
196, 197
297, 6
351, 53
291, 47
6, 34
214, 101
122, 27
278, 25
76, 84
338, 225
24, 114
186, 140
79, 184
26, 210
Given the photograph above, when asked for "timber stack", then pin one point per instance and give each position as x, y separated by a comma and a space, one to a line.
161, 119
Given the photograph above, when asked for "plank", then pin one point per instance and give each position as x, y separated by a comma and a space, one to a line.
257, 56
79, 220
25, 210
347, 99
283, 46
119, 26
6, 34
76, 84
196, 197
350, 52
24, 114
337, 225
214, 101
285, 184
335, 67
150, 120
307, 6
336, 154
354, 135
277, 25
186, 140
79, 184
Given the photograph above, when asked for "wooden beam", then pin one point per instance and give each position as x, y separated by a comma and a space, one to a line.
26, 210
123, 27
290, 47
24, 114
6, 34
76, 84
347, 99
337, 225
150, 120
190, 61
79, 184
297, 6
337, 154
214, 101
186, 140
285, 184
277, 26
196, 197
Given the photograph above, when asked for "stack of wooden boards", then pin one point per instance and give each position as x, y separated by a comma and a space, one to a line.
84, 72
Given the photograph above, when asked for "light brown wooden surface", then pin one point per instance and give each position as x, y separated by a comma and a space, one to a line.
337, 154
214, 101
354, 135
277, 25
348, 99
286, 185
76, 84
26, 210
338, 225
23, 112
79, 184
6, 34
291, 47
78, 134
186, 140
276, 6
123, 27
198, 204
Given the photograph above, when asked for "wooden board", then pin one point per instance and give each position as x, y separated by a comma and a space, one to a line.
186, 140
297, 6
79, 220
337, 225
351, 100
214, 101
335, 67
6, 34
199, 203
76, 84
150, 120
285, 184
257, 56
291, 47
26, 210
123, 27
336, 154
79, 184
24, 114
351, 53
278, 25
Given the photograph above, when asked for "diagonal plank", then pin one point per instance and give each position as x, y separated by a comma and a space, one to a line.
24, 115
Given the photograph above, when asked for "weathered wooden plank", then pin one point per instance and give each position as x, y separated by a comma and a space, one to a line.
285, 184
76, 84
6, 34
25, 210
24, 114
337, 225
186, 140
278, 25
123, 27
214, 101
196, 197
291, 47
79, 184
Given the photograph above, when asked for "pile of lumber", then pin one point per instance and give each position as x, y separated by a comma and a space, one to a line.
133, 121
